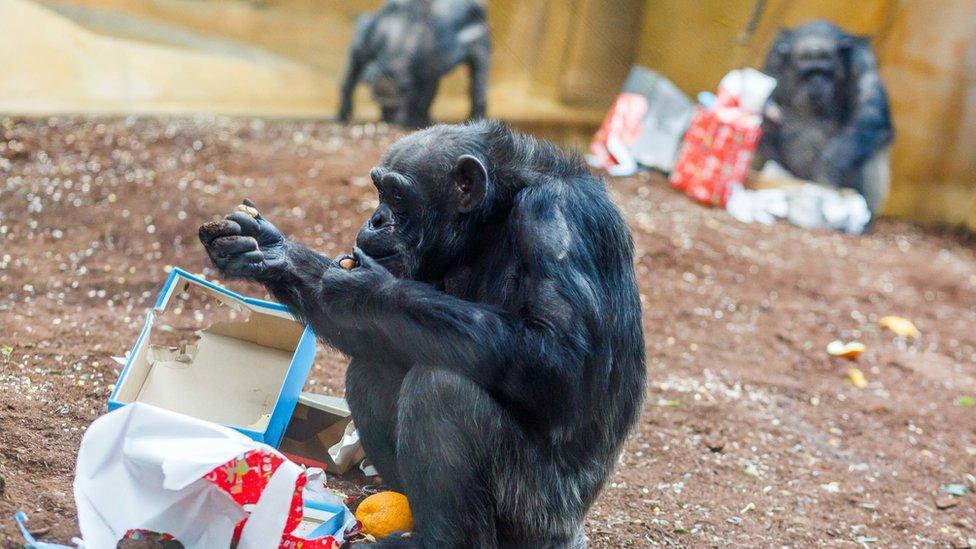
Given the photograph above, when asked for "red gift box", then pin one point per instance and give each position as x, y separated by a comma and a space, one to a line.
623, 121
716, 151
244, 479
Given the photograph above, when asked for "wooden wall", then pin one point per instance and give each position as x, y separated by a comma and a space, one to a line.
927, 54
559, 63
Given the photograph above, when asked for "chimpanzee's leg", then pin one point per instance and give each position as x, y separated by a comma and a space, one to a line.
372, 389
416, 112
478, 64
349, 81
359, 56
449, 431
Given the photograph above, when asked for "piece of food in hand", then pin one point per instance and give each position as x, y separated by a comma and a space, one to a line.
212, 226
249, 210
384, 513
347, 263
898, 325
850, 351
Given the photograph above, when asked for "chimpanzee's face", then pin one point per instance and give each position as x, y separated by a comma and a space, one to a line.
819, 68
392, 234
391, 92
393, 84
427, 186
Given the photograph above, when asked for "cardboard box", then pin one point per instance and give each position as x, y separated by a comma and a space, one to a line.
644, 126
320, 434
318, 520
245, 372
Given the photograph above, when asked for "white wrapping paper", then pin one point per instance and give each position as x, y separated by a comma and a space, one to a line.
141, 467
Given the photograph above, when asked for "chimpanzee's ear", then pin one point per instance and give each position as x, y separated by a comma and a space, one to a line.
779, 53
471, 179
848, 47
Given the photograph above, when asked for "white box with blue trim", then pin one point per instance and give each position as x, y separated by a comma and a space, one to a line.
215, 355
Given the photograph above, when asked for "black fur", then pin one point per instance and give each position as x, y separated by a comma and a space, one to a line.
494, 326
833, 109
404, 49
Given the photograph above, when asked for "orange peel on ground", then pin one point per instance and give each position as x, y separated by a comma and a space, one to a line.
857, 379
850, 351
898, 325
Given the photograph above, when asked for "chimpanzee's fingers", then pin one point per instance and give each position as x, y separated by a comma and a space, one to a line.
256, 256
249, 225
342, 261
257, 213
249, 265
363, 260
229, 246
213, 230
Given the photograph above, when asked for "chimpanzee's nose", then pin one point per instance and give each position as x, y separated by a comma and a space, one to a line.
382, 219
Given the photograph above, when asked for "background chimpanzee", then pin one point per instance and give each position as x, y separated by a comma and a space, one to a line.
828, 120
404, 49
494, 326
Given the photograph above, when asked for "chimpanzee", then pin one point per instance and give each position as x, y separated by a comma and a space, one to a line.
828, 118
404, 49
494, 327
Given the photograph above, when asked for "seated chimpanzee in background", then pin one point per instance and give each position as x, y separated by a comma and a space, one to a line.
828, 119
404, 49
494, 327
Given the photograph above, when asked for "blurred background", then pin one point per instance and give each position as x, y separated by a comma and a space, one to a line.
125, 124
556, 68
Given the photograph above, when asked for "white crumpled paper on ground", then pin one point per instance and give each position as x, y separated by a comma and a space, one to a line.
142, 467
800, 202
809, 206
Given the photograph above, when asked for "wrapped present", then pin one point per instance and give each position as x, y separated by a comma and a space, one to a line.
143, 469
718, 147
643, 127
714, 157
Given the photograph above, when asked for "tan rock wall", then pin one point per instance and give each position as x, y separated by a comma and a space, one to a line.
557, 65
53, 65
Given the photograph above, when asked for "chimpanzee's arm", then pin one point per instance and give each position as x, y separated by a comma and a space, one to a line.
868, 127
248, 246
297, 285
476, 42
769, 144
358, 57
533, 360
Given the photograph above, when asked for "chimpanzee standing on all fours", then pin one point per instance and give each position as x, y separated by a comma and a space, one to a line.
405, 48
828, 119
494, 326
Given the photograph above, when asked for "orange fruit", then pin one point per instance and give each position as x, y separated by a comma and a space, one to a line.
384, 513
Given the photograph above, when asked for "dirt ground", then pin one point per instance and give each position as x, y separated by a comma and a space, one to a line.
752, 435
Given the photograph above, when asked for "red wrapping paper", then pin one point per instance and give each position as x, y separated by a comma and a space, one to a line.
716, 151
244, 479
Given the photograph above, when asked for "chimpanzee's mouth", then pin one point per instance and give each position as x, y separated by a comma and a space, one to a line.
384, 257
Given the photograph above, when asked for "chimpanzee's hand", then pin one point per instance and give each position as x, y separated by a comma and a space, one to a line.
841, 154
245, 245
357, 284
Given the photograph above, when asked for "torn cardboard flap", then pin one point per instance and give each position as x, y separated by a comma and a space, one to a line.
240, 364
321, 434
